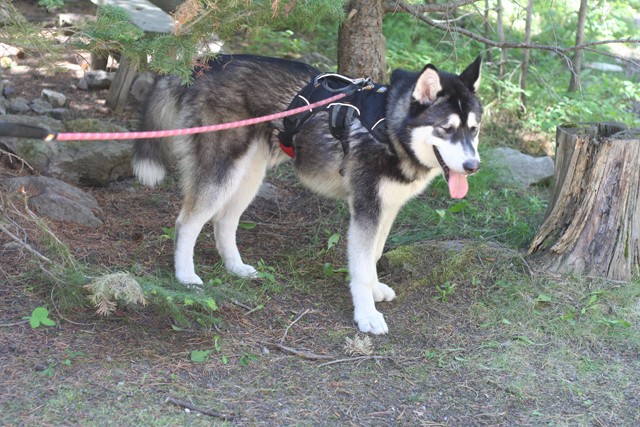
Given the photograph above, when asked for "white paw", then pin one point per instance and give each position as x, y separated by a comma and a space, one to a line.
382, 292
371, 322
189, 278
243, 270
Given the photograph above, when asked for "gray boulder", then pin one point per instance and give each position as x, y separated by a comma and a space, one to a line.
94, 163
56, 99
40, 106
18, 105
95, 80
56, 199
517, 168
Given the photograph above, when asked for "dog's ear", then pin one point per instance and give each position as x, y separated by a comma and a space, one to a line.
428, 86
471, 75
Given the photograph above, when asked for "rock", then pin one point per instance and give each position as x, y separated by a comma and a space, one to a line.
18, 105
78, 162
268, 192
59, 113
142, 85
3, 106
517, 168
7, 90
76, 20
40, 106
57, 200
95, 80
56, 99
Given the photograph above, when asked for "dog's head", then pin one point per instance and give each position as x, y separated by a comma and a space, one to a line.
441, 120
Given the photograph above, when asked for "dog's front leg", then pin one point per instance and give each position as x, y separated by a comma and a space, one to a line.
365, 288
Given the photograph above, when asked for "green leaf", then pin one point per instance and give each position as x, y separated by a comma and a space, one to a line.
333, 240
247, 225
327, 269
47, 322
40, 313
224, 359
525, 340
543, 298
200, 356
34, 322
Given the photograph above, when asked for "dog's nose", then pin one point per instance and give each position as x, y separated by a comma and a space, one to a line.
471, 166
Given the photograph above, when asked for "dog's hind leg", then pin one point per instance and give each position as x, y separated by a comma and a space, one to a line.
249, 175
222, 203
192, 218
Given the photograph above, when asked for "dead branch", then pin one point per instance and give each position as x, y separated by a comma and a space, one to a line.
24, 244
356, 359
203, 411
394, 6
12, 156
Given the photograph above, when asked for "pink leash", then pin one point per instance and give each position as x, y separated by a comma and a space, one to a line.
84, 136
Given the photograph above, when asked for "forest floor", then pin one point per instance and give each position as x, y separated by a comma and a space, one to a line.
477, 335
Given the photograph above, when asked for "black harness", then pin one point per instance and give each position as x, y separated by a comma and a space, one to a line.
365, 101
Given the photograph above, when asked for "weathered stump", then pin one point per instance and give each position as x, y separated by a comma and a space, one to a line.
592, 223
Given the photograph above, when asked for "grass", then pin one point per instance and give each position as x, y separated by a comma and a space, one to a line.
490, 212
477, 337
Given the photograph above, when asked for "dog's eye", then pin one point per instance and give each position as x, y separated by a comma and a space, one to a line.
447, 129
474, 130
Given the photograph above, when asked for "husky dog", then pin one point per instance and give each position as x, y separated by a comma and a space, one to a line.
432, 123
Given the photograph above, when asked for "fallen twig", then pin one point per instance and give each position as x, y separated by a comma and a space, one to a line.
354, 359
291, 324
11, 156
5, 325
24, 244
203, 411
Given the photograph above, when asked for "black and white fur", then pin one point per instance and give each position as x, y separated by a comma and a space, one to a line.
432, 119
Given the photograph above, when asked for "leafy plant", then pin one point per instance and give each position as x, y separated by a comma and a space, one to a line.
444, 291
169, 233
246, 358
40, 317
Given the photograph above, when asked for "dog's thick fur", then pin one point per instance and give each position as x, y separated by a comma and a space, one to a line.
432, 123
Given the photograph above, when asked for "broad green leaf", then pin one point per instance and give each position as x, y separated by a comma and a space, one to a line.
333, 240
200, 356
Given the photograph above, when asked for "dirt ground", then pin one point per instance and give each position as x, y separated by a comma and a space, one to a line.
486, 354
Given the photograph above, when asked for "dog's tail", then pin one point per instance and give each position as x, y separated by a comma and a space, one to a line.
151, 157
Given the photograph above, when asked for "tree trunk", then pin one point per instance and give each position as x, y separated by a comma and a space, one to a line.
574, 84
487, 31
592, 224
501, 39
524, 73
361, 44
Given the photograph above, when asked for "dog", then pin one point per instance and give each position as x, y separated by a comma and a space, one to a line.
432, 120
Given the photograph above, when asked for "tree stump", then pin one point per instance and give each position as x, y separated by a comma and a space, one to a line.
592, 223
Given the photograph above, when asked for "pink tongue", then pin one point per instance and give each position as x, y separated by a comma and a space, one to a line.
458, 185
